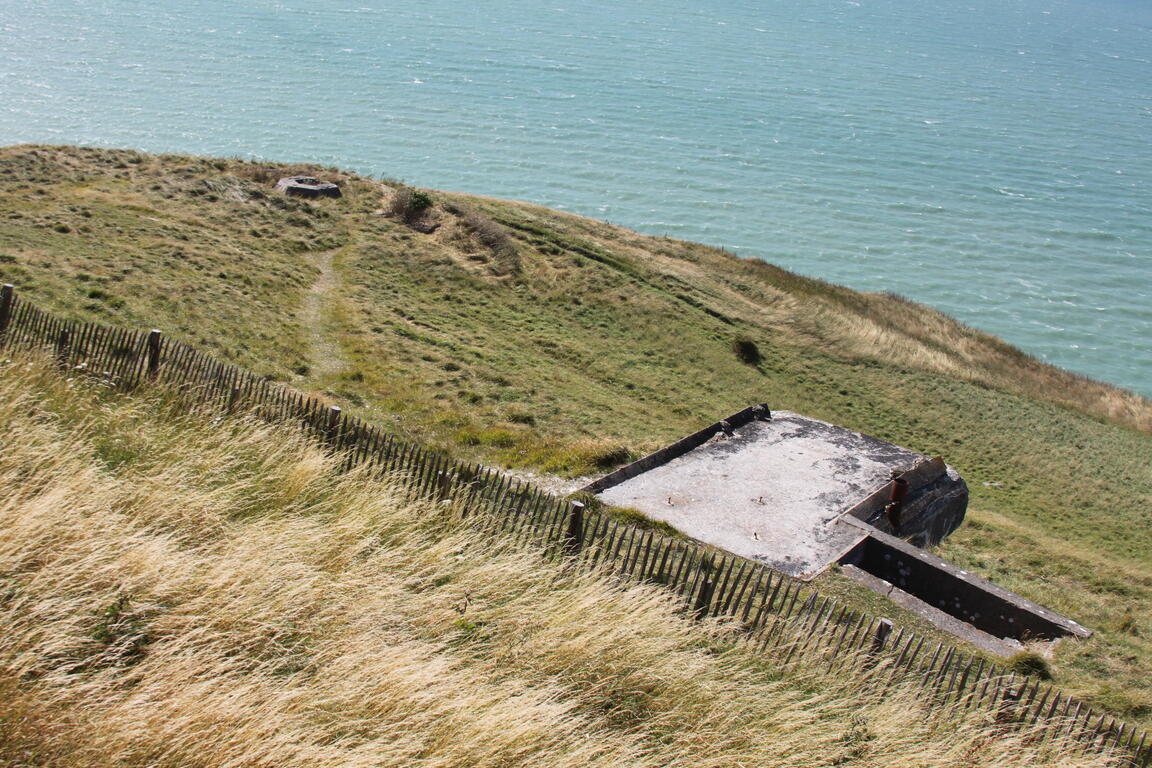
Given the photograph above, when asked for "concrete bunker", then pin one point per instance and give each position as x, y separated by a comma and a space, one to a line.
773, 487
306, 186
799, 494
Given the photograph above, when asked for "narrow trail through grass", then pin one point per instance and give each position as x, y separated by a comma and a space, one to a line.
325, 359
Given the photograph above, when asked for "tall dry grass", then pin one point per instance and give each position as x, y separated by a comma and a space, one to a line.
889, 327
177, 590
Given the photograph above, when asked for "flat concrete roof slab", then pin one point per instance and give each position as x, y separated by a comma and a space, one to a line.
771, 492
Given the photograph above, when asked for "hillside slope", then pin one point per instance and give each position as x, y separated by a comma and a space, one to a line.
532, 338
180, 590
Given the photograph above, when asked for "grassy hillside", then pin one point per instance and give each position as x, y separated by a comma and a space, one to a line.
184, 591
531, 338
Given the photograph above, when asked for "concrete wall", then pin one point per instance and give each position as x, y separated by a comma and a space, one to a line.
678, 448
934, 506
958, 593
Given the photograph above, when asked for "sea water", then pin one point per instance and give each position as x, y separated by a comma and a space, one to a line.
990, 158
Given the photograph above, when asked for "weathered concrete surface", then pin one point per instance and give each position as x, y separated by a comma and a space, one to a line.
679, 448
306, 186
772, 491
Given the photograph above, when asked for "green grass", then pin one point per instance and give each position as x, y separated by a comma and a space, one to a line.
531, 338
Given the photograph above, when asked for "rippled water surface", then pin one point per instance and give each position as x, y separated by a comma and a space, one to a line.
991, 158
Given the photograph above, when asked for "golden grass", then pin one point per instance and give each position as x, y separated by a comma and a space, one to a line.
911, 335
182, 591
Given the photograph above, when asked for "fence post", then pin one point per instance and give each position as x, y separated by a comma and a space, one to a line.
574, 536
153, 353
880, 636
63, 347
7, 296
704, 596
444, 484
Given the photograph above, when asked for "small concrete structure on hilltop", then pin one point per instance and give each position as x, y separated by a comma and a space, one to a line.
775, 487
799, 495
306, 186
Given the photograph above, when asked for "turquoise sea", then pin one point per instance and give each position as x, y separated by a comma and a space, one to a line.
992, 158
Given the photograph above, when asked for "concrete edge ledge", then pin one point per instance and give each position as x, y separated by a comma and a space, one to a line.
676, 449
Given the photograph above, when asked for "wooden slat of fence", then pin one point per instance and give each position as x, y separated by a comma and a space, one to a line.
850, 638
726, 598
620, 549
540, 522
125, 357
723, 585
682, 558
782, 611
660, 558
179, 371
631, 553
694, 559
557, 517
810, 630
594, 525
644, 556
96, 344
752, 588
787, 611
684, 570
826, 629
35, 321
111, 352
526, 511
675, 560
765, 607
136, 364
80, 345
694, 576
603, 552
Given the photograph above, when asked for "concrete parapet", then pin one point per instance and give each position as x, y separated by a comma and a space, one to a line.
680, 447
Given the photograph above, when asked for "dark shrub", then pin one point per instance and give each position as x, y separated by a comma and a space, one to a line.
746, 351
1031, 664
410, 205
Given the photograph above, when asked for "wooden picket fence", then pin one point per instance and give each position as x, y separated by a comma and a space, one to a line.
791, 622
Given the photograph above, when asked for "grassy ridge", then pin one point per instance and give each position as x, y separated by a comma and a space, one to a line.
531, 338
178, 590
